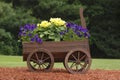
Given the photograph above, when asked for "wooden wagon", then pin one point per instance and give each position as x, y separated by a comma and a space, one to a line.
75, 55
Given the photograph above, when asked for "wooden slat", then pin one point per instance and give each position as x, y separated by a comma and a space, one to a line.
64, 46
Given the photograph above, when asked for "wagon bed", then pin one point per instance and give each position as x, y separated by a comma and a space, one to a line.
58, 49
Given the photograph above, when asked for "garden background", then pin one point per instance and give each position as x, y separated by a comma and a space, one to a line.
102, 16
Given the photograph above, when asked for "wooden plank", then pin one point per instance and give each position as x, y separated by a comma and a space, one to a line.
55, 46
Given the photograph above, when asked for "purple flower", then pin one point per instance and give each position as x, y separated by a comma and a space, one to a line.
84, 30
26, 32
76, 29
36, 39
87, 35
32, 39
79, 28
33, 26
78, 34
23, 34
20, 33
27, 29
30, 34
63, 32
21, 28
69, 25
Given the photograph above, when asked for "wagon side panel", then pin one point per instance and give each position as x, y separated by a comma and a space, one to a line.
58, 49
28, 48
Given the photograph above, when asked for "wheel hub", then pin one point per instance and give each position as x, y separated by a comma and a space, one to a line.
41, 62
77, 62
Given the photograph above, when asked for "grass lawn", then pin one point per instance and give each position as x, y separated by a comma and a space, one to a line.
11, 61
16, 61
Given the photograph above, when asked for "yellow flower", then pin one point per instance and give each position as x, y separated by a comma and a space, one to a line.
44, 24
38, 25
57, 21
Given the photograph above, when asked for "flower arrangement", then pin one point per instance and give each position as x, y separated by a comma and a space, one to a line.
55, 29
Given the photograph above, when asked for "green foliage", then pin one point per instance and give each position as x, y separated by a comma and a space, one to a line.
56, 8
50, 30
7, 1
5, 42
8, 45
11, 19
71, 36
7, 50
51, 33
105, 30
6, 36
102, 18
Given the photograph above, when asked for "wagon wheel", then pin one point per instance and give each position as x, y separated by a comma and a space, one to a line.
40, 60
77, 61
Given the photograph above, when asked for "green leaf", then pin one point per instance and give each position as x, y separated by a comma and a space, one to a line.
62, 28
46, 32
51, 37
51, 34
41, 35
57, 39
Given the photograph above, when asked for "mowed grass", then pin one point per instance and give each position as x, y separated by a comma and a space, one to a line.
11, 61
17, 61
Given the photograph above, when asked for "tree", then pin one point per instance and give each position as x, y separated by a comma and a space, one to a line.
5, 42
104, 27
10, 21
102, 19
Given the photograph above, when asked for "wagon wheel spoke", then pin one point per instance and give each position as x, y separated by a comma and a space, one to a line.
47, 65
82, 57
71, 61
46, 58
76, 67
35, 65
74, 57
43, 66
34, 60
73, 64
42, 56
39, 67
36, 56
78, 55
81, 65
